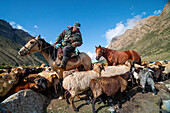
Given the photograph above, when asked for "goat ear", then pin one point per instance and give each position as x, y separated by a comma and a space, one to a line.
16, 71
37, 37
95, 46
99, 46
53, 76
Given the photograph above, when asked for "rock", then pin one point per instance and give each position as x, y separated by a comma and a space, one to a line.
142, 103
166, 105
25, 101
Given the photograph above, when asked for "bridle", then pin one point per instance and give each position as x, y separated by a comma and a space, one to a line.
29, 49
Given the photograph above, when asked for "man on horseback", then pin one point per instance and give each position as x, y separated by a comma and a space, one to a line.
70, 38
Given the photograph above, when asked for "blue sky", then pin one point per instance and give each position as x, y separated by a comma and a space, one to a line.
100, 20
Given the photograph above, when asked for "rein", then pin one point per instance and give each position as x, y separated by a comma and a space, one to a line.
28, 49
104, 51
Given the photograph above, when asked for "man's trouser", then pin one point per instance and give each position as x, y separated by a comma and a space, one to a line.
67, 50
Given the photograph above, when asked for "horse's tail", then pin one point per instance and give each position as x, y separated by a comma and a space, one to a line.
136, 57
140, 61
86, 61
91, 67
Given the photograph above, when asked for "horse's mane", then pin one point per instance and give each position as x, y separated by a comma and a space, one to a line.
106, 49
48, 48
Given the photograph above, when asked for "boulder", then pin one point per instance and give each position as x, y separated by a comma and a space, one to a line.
25, 101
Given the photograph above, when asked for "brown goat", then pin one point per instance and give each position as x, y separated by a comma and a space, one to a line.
34, 82
7, 80
108, 85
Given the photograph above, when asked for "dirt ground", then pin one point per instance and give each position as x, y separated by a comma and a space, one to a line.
138, 103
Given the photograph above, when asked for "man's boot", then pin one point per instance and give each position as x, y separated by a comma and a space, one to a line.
64, 62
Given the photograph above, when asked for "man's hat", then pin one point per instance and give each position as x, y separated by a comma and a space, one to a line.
76, 24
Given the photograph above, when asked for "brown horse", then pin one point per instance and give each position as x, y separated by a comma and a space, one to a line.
114, 57
50, 54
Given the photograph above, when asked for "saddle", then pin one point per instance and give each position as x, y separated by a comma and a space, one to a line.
74, 57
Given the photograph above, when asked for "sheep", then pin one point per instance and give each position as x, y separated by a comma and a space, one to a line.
78, 82
108, 85
52, 77
116, 70
7, 80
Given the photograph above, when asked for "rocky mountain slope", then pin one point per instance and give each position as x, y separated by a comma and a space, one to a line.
150, 37
11, 40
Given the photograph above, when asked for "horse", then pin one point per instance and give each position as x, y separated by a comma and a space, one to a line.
114, 57
49, 52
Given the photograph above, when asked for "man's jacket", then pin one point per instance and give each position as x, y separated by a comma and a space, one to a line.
70, 38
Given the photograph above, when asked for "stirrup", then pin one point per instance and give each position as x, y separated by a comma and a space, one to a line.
61, 66
58, 64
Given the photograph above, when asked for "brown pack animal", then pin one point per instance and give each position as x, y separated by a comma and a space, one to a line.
114, 57
108, 85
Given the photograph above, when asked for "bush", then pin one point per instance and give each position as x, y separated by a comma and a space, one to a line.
16, 64
3, 64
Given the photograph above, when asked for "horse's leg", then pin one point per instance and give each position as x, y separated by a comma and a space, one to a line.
114, 61
61, 87
86, 62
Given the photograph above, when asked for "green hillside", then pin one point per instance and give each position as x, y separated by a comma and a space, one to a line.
11, 40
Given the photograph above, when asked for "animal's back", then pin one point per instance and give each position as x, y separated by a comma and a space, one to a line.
109, 85
78, 80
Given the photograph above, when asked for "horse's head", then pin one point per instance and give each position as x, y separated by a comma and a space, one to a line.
99, 52
32, 46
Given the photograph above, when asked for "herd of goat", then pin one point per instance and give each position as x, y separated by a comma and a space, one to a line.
102, 79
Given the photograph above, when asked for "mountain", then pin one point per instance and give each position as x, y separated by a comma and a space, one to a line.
11, 40
150, 37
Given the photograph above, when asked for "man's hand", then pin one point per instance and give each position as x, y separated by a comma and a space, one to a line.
55, 43
74, 44
67, 40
